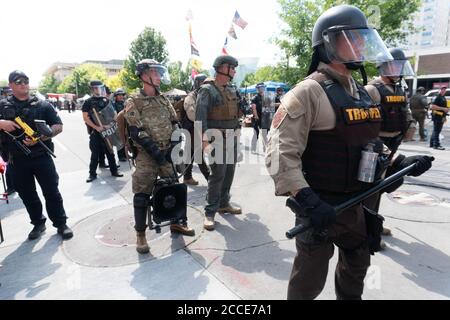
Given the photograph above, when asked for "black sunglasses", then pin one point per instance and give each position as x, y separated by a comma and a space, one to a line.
21, 81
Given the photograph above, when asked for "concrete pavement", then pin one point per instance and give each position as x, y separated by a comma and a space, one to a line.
247, 257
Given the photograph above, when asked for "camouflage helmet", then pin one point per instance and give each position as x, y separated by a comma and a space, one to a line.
225, 59
147, 64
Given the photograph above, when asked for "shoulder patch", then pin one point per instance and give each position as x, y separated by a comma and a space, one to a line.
279, 117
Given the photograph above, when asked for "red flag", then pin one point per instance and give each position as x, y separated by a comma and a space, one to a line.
194, 74
224, 48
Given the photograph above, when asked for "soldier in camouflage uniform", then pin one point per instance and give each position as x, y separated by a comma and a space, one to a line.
217, 108
151, 119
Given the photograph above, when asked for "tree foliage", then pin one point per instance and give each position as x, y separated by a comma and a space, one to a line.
49, 84
391, 18
150, 44
80, 77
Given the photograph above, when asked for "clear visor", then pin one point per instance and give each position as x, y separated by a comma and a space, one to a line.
355, 45
396, 68
99, 91
162, 72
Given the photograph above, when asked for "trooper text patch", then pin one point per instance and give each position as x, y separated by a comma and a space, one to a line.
358, 115
395, 99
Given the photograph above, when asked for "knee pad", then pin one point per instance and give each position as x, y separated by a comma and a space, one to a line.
141, 200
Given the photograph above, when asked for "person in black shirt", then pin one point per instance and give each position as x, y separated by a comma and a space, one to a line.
440, 111
257, 104
37, 164
97, 102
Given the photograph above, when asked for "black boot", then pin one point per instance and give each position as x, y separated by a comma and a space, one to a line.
65, 232
117, 174
36, 232
91, 178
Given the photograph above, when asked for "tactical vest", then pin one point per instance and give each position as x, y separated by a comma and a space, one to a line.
9, 110
393, 109
157, 117
331, 158
226, 111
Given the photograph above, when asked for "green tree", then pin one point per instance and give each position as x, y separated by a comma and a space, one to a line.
49, 84
150, 44
78, 80
3, 83
266, 73
392, 19
117, 81
179, 78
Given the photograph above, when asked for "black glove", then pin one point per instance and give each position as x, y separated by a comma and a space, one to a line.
423, 164
321, 213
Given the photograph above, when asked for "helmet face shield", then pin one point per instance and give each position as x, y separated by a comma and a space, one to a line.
98, 91
162, 73
344, 45
396, 68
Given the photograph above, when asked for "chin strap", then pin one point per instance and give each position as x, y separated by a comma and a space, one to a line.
152, 85
225, 74
363, 75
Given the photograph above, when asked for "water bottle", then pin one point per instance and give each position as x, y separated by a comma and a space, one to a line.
368, 164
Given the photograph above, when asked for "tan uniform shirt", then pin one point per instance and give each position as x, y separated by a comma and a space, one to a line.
303, 109
376, 97
189, 106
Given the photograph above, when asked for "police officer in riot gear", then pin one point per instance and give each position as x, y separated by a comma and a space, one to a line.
28, 159
218, 110
119, 105
97, 144
387, 91
151, 121
316, 141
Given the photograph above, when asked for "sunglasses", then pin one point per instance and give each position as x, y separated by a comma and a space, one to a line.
21, 81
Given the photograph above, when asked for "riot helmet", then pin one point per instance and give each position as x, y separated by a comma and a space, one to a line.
151, 64
397, 68
198, 80
228, 60
119, 92
97, 88
261, 87
342, 34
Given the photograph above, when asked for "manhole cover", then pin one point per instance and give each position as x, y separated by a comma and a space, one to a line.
108, 239
120, 233
414, 198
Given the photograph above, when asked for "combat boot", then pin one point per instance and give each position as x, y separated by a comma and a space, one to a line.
141, 243
208, 223
191, 182
183, 229
230, 209
386, 232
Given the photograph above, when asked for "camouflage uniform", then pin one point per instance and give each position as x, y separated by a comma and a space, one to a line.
154, 117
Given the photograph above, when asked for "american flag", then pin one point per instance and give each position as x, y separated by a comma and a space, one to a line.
239, 21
